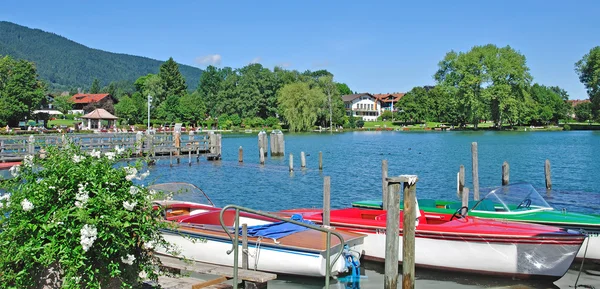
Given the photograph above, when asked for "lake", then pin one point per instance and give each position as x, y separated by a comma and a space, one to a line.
353, 160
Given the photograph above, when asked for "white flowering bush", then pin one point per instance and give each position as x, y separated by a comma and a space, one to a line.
80, 217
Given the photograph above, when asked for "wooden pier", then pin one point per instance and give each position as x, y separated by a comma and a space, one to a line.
15, 148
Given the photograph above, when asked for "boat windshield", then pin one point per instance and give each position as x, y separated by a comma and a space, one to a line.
182, 192
513, 198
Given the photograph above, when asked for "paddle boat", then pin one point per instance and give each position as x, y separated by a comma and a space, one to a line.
273, 246
457, 242
519, 202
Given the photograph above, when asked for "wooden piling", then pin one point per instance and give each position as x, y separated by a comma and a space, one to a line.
245, 246
475, 171
326, 200
171, 158
408, 231
138, 143
302, 160
320, 161
505, 173
277, 144
177, 143
465, 199
384, 186
261, 156
31, 145
240, 155
548, 175
461, 180
190, 157
392, 233
291, 163
262, 142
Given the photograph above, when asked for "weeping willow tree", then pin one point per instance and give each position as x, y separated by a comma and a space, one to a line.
300, 105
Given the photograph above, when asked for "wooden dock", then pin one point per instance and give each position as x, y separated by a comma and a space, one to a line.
15, 148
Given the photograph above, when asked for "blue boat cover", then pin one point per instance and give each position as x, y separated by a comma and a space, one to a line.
279, 229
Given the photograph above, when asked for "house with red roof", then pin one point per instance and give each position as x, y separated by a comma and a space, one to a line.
363, 105
389, 100
87, 102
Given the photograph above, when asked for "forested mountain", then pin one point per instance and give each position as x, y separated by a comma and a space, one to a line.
66, 64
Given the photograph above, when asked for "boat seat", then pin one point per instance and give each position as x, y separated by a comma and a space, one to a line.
485, 205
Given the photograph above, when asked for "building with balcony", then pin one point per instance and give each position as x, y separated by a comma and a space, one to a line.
389, 100
363, 105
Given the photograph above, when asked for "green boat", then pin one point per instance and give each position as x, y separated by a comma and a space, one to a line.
517, 202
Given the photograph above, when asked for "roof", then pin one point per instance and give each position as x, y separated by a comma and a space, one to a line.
88, 97
351, 97
99, 113
384, 97
575, 102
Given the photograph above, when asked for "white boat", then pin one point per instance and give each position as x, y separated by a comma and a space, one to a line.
199, 236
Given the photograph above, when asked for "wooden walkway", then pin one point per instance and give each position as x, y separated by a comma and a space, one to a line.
15, 148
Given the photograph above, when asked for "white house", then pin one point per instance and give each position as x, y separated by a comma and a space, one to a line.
363, 105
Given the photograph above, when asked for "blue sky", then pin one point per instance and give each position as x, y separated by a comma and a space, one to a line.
373, 46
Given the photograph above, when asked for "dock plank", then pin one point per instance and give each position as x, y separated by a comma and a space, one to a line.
246, 275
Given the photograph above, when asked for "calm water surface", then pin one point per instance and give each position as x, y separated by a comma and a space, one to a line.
353, 160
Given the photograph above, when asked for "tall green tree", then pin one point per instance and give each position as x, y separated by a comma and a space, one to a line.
192, 108
209, 87
583, 111
21, 91
63, 103
171, 80
300, 105
334, 109
549, 105
588, 69
343, 89
95, 88
127, 110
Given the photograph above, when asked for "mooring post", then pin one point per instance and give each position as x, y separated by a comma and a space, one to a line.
392, 232
291, 162
177, 143
326, 201
320, 161
190, 157
138, 143
262, 142
171, 157
261, 156
408, 231
465, 200
245, 246
548, 176
302, 160
240, 155
384, 185
461, 180
505, 173
475, 171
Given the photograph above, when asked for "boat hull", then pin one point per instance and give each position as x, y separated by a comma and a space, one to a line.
208, 249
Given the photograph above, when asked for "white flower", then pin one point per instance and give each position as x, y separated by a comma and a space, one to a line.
14, 171
88, 236
5, 197
28, 161
27, 205
133, 190
76, 279
143, 275
152, 192
77, 158
110, 155
95, 153
52, 187
119, 150
144, 175
128, 260
129, 206
131, 173
149, 245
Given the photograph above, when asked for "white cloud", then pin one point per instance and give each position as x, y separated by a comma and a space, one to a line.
256, 60
211, 59
284, 64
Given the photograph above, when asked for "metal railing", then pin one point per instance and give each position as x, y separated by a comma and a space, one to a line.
235, 238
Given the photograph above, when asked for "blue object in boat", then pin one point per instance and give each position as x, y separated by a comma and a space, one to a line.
279, 229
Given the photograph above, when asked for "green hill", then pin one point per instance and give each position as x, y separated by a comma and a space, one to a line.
65, 63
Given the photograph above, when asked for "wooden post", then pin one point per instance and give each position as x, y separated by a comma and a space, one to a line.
547, 172
408, 229
262, 142
177, 143
320, 161
505, 173
291, 162
277, 144
326, 200
302, 160
384, 186
31, 143
392, 232
171, 157
465, 199
461, 180
245, 246
475, 171
240, 155
138, 143
261, 156
190, 157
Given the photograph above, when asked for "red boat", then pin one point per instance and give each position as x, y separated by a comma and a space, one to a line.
463, 243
